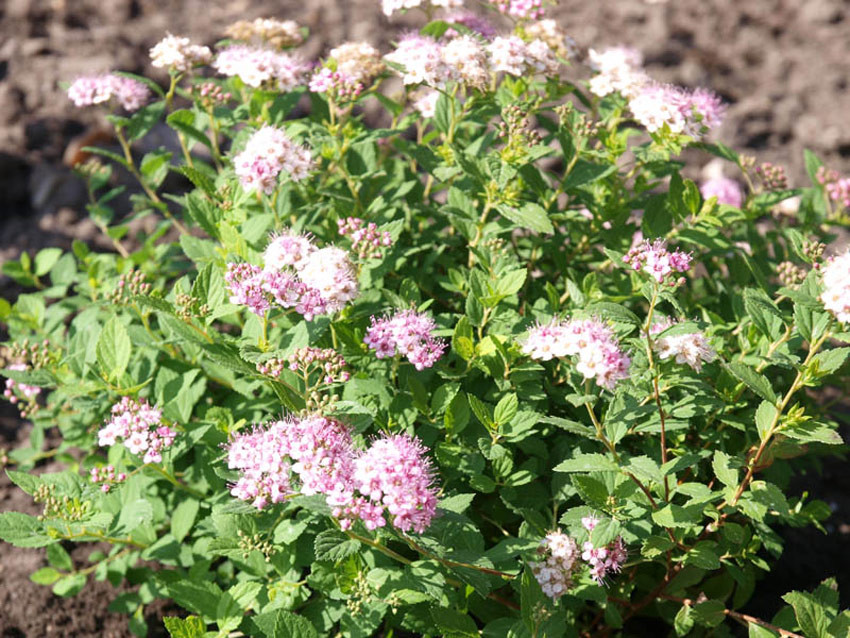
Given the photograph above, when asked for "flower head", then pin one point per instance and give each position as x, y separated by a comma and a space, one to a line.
140, 426
257, 66
656, 260
727, 191
330, 272
131, 94
559, 556
836, 282
179, 54
690, 348
270, 151
521, 9
409, 334
358, 60
279, 34
422, 59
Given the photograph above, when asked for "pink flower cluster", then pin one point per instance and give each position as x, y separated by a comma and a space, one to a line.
15, 390
521, 9
407, 333
654, 259
268, 152
727, 191
837, 187
836, 282
597, 348
559, 558
366, 239
690, 112
97, 89
393, 476
514, 56
179, 54
107, 477
691, 348
602, 560
337, 84
259, 66
141, 428
296, 275
619, 69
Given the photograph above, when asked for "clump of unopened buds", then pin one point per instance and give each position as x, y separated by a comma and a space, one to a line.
790, 274
516, 131
106, 477
254, 542
189, 307
211, 94
772, 176
814, 250
366, 240
317, 367
66, 508
131, 284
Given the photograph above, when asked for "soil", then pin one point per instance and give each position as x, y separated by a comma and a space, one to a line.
782, 65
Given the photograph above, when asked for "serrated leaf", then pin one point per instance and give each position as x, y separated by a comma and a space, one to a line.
481, 410
506, 409
756, 382
189, 627
587, 463
531, 216
722, 470
765, 415
113, 349
333, 545
809, 613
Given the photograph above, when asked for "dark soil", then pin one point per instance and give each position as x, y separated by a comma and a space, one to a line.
782, 65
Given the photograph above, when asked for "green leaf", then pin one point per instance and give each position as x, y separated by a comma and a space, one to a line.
199, 596
69, 585
720, 465
113, 349
531, 216
183, 518
606, 531
283, 624
453, 623
481, 410
511, 282
710, 613
45, 575
704, 556
506, 409
571, 426
829, 361
762, 311
765, 415
59, 557
587, 463
810, 614
813, 432
333, 545
656, 546
22, 530
585, 172
684, 621
753, 380
45, 260
189, 627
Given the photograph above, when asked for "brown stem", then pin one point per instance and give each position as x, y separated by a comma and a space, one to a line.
746, 618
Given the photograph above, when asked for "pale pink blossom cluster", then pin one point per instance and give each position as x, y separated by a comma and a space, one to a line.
466, 60
316, 455
131, 94
425, 101
14, 390
258, 289
279, 34
591, 341
521, 9
550, 32
836, 282
366, 239
258, 66
653, 258
838, 190
140, 426
727, 191
559, 559
106, 477
514, 56
391, 6
690, 112
358, 60
407, 333
471, 21
270, 151
690, 348
421, 57
179, 54
619, 69
337, 84
602, 560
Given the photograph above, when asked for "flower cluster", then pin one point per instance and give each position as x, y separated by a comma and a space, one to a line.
296, 275
602, 560
424, 100
391, 6
279, 34
690, 348
836, 281
337, 84
268, 152
178, 54
594, 343
14, 390
653, 258
727, 191
619, 69
407, 333
514, 56
559, 558
682, 111
550, 32
466, 60
837, 187
422, 59
210, 94
358, 60
366, 239
393, 475
521, 9
258, 66
98, 89
141, 428
106, 477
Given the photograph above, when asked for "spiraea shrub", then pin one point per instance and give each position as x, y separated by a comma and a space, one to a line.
440, 341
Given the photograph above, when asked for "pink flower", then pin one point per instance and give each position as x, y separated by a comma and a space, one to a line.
407, 333
522, 9
179, 54
366, 239
140, 427
330, 272
692, 113
692, 349
258, 66
654, 259
129, 93
559, 559
598, 352
270, 151
727, 191
836, 282
422, 60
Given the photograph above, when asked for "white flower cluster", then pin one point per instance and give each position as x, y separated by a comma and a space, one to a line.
691, 348
836, 281
179, 54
